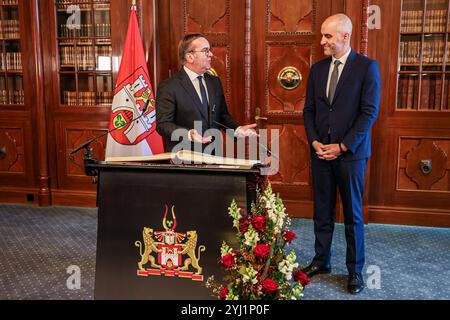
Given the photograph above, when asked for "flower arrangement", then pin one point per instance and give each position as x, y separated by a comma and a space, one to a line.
260, 269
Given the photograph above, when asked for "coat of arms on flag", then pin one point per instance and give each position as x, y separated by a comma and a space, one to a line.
133, 112
133, 116
170, 247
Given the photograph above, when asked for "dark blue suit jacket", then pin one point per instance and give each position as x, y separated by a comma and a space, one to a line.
354, 108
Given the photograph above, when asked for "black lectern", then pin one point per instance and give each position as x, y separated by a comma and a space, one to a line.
160, 227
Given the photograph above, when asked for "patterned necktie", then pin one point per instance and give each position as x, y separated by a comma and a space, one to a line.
204, 96
333, 81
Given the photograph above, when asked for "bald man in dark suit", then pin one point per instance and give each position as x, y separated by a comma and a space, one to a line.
342, 103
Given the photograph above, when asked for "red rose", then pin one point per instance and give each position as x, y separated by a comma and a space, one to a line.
269, 286
259, 223
243, 225
301, 277
227, 260
223, 293
261, 250
288, 236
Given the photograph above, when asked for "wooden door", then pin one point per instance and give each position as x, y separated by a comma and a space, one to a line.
286, 34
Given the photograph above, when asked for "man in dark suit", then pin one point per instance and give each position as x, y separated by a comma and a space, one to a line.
194, 95
342, 102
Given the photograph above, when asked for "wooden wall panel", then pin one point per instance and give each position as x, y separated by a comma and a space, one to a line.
294, 156
71, 134
290, 16
12, 140
414, 150
278, 99
207, 17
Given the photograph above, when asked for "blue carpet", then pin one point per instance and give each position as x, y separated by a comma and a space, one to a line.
412, 263
37, 245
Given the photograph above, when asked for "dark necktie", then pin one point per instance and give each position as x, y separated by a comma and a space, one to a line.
333, 81
204, 96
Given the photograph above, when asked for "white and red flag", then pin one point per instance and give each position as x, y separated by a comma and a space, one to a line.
132, 122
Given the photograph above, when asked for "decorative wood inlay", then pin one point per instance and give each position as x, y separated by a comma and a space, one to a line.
219, 62
206, 16
294, 156
247, 59
12, 154
364, 28
76, 137
290, 16
281, 100
426, 150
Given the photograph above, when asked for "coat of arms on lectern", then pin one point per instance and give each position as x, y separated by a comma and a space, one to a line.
163, 252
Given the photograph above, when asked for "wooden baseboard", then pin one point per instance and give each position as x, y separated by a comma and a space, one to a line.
409, 216
71, 198
19, 195
299, 209
383, 215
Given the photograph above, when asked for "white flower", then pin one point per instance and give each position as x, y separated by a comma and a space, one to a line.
250, 275
231, 296
251, 237
225, 249
235, 213
288, 265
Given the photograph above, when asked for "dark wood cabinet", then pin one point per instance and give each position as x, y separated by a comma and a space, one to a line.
410, 168
70, 54
21, 109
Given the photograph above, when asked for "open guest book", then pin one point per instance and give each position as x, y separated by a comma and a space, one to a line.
189, 157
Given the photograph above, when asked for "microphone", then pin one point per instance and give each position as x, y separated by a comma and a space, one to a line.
259, 143
86, 144
211, 114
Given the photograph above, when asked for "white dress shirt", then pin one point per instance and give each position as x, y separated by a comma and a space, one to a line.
193, 76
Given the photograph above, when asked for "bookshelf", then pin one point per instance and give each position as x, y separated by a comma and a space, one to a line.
424, 56
84, 52
11, 74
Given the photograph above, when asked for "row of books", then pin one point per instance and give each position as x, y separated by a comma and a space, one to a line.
410, 52
435, 21
84, 55
433, 52
12, 97
9, 29
85, 30
9, 2
430, 97
88, 6
87, 98
78, 1
11, 61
